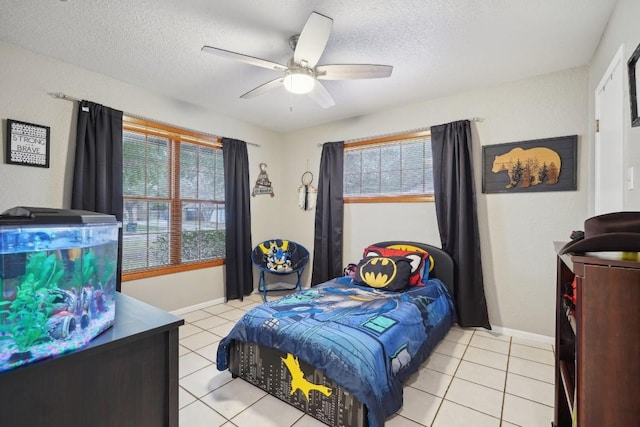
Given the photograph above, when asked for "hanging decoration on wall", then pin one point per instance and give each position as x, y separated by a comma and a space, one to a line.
307, 193
27, 144
263, 185
530, 166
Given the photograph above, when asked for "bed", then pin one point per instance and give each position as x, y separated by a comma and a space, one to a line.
340, 351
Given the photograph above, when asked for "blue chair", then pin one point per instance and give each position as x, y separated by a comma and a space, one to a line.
279, 257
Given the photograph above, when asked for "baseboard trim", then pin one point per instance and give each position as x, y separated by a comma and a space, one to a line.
522, 334
195, 307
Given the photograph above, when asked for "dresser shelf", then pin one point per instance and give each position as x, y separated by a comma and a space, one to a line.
597, 347
568, 375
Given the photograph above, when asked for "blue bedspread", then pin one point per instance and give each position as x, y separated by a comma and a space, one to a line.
366, 340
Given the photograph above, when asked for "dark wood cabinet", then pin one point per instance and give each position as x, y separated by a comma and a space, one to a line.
127, 376
598, 345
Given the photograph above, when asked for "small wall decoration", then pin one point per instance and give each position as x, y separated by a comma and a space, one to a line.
263, 185
634, 85
307, 193
27, 144
530, 166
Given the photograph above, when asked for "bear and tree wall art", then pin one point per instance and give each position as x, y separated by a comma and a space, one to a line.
530, 166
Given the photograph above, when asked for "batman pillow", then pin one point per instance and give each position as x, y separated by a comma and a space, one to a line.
390, 273
417, 260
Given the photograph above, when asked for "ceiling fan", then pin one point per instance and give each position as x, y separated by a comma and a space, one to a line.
301, 74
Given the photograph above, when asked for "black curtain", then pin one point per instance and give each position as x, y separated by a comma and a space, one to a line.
239, 273
327, 241
456, 211
97, 175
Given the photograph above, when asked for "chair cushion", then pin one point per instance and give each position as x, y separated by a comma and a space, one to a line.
276, 256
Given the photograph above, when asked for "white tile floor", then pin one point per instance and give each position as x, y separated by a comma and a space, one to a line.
474, 378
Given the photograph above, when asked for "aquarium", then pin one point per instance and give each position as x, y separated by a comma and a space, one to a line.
57, 281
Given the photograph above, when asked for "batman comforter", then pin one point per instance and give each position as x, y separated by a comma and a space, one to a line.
366, 340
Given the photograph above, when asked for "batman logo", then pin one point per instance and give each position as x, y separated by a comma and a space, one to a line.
378, 272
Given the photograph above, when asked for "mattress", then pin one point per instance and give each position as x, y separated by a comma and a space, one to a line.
364, 342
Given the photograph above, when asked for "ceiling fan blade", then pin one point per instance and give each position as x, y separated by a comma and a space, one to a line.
273, 84
321, 95
244, 58
313, 39
352, 71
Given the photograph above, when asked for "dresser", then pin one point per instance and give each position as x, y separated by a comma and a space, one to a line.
126, 376
598, 344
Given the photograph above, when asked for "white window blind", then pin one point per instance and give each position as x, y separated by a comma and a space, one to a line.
399, 168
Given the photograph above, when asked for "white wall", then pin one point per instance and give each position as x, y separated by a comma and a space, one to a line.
25, 81
622, 28
517, 230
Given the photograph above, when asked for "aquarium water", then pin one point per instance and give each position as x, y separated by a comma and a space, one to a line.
57, 281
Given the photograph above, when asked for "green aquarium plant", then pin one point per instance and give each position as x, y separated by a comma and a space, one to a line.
84, 269
108, 272
27, 315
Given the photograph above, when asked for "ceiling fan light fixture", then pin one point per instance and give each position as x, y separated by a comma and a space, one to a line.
299, 81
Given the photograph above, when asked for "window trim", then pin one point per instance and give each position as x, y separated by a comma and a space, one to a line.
382, 140
387, 138
172, 269
390, 199
162, 130
166, 131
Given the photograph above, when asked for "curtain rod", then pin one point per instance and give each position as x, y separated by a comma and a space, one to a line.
60, 95
473, 119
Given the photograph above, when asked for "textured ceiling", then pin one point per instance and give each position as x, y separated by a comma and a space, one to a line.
437, 47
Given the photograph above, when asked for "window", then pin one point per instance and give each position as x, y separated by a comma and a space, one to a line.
173, 188
390, 169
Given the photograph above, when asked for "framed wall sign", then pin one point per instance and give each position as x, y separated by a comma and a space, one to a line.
634, 85
263, 184
27, 144
530, 166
